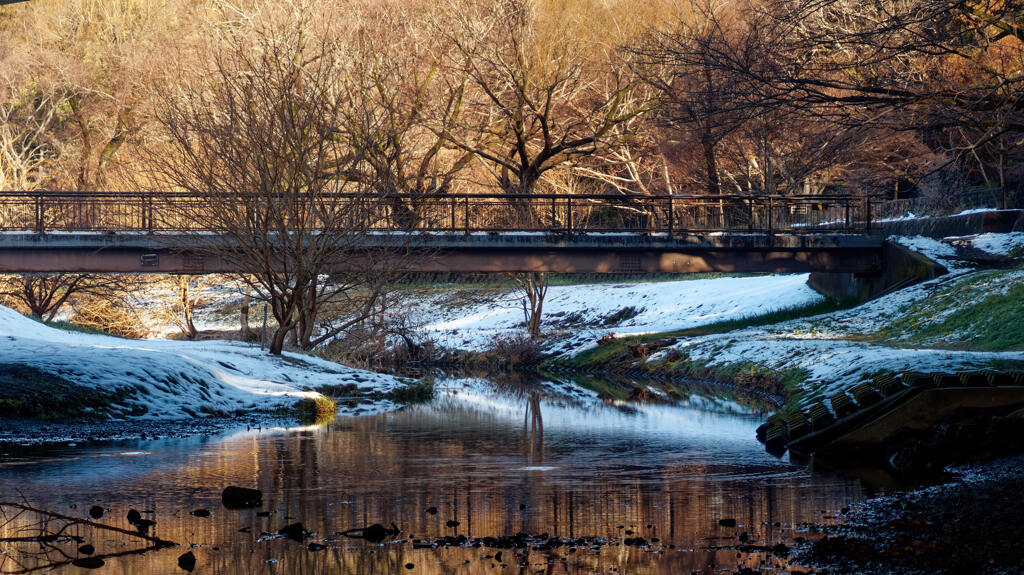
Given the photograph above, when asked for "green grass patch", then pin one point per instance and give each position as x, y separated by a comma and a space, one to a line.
420, 391
982, 311
604, 387
26, 391
316, 410
615, 354
68, 326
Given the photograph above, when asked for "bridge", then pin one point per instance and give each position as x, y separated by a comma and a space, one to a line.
109, 232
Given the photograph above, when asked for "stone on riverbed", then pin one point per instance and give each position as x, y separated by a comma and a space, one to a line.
241, 497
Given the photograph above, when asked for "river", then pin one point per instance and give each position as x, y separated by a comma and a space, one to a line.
492, 458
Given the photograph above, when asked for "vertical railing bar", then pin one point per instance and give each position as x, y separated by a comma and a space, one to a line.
867, 216
568, 214
39, 214
671, 218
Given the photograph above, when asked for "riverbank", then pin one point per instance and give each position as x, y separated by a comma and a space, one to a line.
53, 375
966, 320
971, 525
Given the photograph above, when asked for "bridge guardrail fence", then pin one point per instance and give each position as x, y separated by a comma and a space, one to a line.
48, 211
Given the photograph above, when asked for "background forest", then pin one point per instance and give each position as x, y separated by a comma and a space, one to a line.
894, 98
889, 99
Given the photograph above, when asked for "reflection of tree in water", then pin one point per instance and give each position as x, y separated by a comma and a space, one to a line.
533, 423
467, 460
41, 540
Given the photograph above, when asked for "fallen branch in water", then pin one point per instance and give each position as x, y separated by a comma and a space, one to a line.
99, 558
77, 521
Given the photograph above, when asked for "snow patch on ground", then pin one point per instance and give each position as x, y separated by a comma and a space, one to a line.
170, 376
1000, 244
832, 365
936, 250
587, 312
825, 346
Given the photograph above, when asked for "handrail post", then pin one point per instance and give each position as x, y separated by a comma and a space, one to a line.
568, 214
867, 216
847, 202
452, 226
39, 214
670, 216
771, 219
465, 205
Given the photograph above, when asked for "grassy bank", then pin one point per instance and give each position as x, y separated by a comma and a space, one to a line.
627, 354
616, 354
29, 392
983, 311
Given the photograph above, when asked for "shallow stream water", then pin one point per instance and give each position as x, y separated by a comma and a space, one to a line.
538, 458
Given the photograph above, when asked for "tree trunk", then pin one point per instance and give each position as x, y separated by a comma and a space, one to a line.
187, 302
277, 340
534, 287
246, 301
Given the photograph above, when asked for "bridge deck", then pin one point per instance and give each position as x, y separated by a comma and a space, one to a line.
142, 232
475, 252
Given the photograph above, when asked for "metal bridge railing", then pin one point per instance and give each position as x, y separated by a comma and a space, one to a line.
48, 211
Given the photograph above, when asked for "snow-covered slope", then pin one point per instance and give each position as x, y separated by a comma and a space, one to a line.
174, 379
587, 312
840, 349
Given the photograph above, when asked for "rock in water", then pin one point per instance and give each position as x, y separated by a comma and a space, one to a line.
727, 522
88, 562
374, 533
316, 547
432, 510
96, 512
241, 497
294, 531
134, 516
87, 549
187, 562
143, 525
200, 513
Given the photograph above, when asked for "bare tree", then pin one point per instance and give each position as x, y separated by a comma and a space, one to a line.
43, 295
263, 142
403, 106
186, 294
532, 288
539, 100
945, 69
91, 62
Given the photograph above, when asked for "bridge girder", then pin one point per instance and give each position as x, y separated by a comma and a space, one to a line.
494, 253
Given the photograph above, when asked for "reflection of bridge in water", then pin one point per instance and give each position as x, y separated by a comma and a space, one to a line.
145, 232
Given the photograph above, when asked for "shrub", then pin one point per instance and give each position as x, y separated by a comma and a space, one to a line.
421, 391
510, 351
625, 314
317, 409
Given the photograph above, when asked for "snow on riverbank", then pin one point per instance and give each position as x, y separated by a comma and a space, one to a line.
840, 349
176, 379
584, 313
